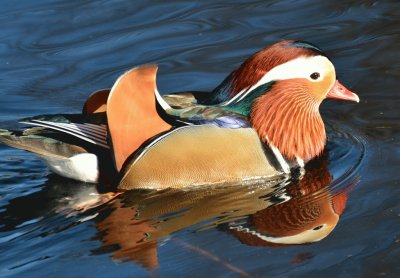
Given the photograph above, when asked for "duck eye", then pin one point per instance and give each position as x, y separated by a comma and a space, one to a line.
314, 75
318, 228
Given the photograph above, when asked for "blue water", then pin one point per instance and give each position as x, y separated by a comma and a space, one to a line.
53, 54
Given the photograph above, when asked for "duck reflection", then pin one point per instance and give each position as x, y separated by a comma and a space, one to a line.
274, 213
311, 213
132, 226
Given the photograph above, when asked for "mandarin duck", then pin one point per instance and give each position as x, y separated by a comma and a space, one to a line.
262, 121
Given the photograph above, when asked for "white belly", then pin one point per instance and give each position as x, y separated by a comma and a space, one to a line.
81, 167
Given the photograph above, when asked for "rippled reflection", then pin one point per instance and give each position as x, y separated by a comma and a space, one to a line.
133, 226
264, 214
309, 213
54, 53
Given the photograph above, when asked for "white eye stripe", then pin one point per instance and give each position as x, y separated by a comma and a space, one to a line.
301, 67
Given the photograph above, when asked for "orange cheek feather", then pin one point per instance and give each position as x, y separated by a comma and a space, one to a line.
288, 118
320, 89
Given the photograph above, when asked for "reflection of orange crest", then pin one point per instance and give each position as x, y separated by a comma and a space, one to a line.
310, 215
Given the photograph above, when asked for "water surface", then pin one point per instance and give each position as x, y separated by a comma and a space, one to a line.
53, 54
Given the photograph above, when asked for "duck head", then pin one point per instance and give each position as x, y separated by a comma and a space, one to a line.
280, 89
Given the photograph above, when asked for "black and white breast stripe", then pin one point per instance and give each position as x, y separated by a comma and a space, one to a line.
285, 164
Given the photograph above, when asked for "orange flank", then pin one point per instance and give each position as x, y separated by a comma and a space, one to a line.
131, 112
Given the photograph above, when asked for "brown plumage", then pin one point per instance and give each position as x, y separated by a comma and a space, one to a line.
252, 70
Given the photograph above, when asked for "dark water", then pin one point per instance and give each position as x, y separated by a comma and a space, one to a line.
53, 54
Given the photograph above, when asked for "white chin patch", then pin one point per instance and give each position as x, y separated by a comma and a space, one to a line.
81, 167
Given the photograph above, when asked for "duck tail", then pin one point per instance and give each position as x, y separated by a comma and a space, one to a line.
18, 141
32, 140
10, 139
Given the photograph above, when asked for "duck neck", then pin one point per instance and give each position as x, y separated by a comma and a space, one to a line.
223, 92
290, 121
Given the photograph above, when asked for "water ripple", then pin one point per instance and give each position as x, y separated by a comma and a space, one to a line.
53, 54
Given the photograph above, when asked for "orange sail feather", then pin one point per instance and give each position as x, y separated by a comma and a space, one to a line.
132, 113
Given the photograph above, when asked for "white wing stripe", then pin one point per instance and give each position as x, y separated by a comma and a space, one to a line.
102, 128
94, 140
76, 129
82, 127
145, 149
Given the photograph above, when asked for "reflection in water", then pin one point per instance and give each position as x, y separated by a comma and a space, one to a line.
310, 214
279, 213
59, 196
56, 52
133, 226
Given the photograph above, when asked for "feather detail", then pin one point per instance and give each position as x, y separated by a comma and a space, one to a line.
96, 102
90, 128
91, 133
201, 114
288, 116
132, 112
243, 105
257, 65
41, 142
